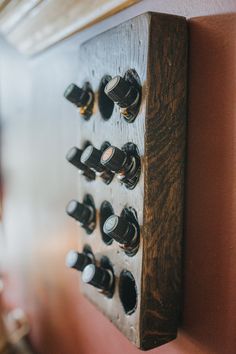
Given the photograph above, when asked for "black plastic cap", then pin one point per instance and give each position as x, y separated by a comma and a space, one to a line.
117, 88
76, 95
121, 91
91, 158
77, 260
113, 158
119, 229
79, 211
98, 277
73, 156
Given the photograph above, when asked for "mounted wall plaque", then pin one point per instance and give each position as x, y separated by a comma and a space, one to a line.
131, 99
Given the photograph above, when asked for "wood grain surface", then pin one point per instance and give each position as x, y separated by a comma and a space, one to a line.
164, 162
156, 47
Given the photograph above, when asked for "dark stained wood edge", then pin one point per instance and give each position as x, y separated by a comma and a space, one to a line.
164, 162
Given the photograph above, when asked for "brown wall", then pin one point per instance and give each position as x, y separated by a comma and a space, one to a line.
39, 127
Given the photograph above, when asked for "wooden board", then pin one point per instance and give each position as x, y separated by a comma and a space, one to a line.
39, 126
155, 45
32, 26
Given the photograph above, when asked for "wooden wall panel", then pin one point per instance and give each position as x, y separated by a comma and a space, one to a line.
39, 127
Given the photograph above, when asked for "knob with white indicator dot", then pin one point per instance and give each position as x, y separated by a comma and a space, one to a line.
77, 260
114, 159
80, 212
121, 230
98, 277
74, 156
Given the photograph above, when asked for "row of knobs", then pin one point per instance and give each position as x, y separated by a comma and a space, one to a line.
116, 227
92, 162
97, 276
121, 91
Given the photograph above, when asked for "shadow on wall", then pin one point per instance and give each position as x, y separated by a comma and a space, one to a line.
210, 261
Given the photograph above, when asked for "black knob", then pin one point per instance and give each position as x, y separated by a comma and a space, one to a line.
80, 211
120, 229
91, 157
113, 158
121, 91
77, 260
77, 95
99, 277
73, 156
